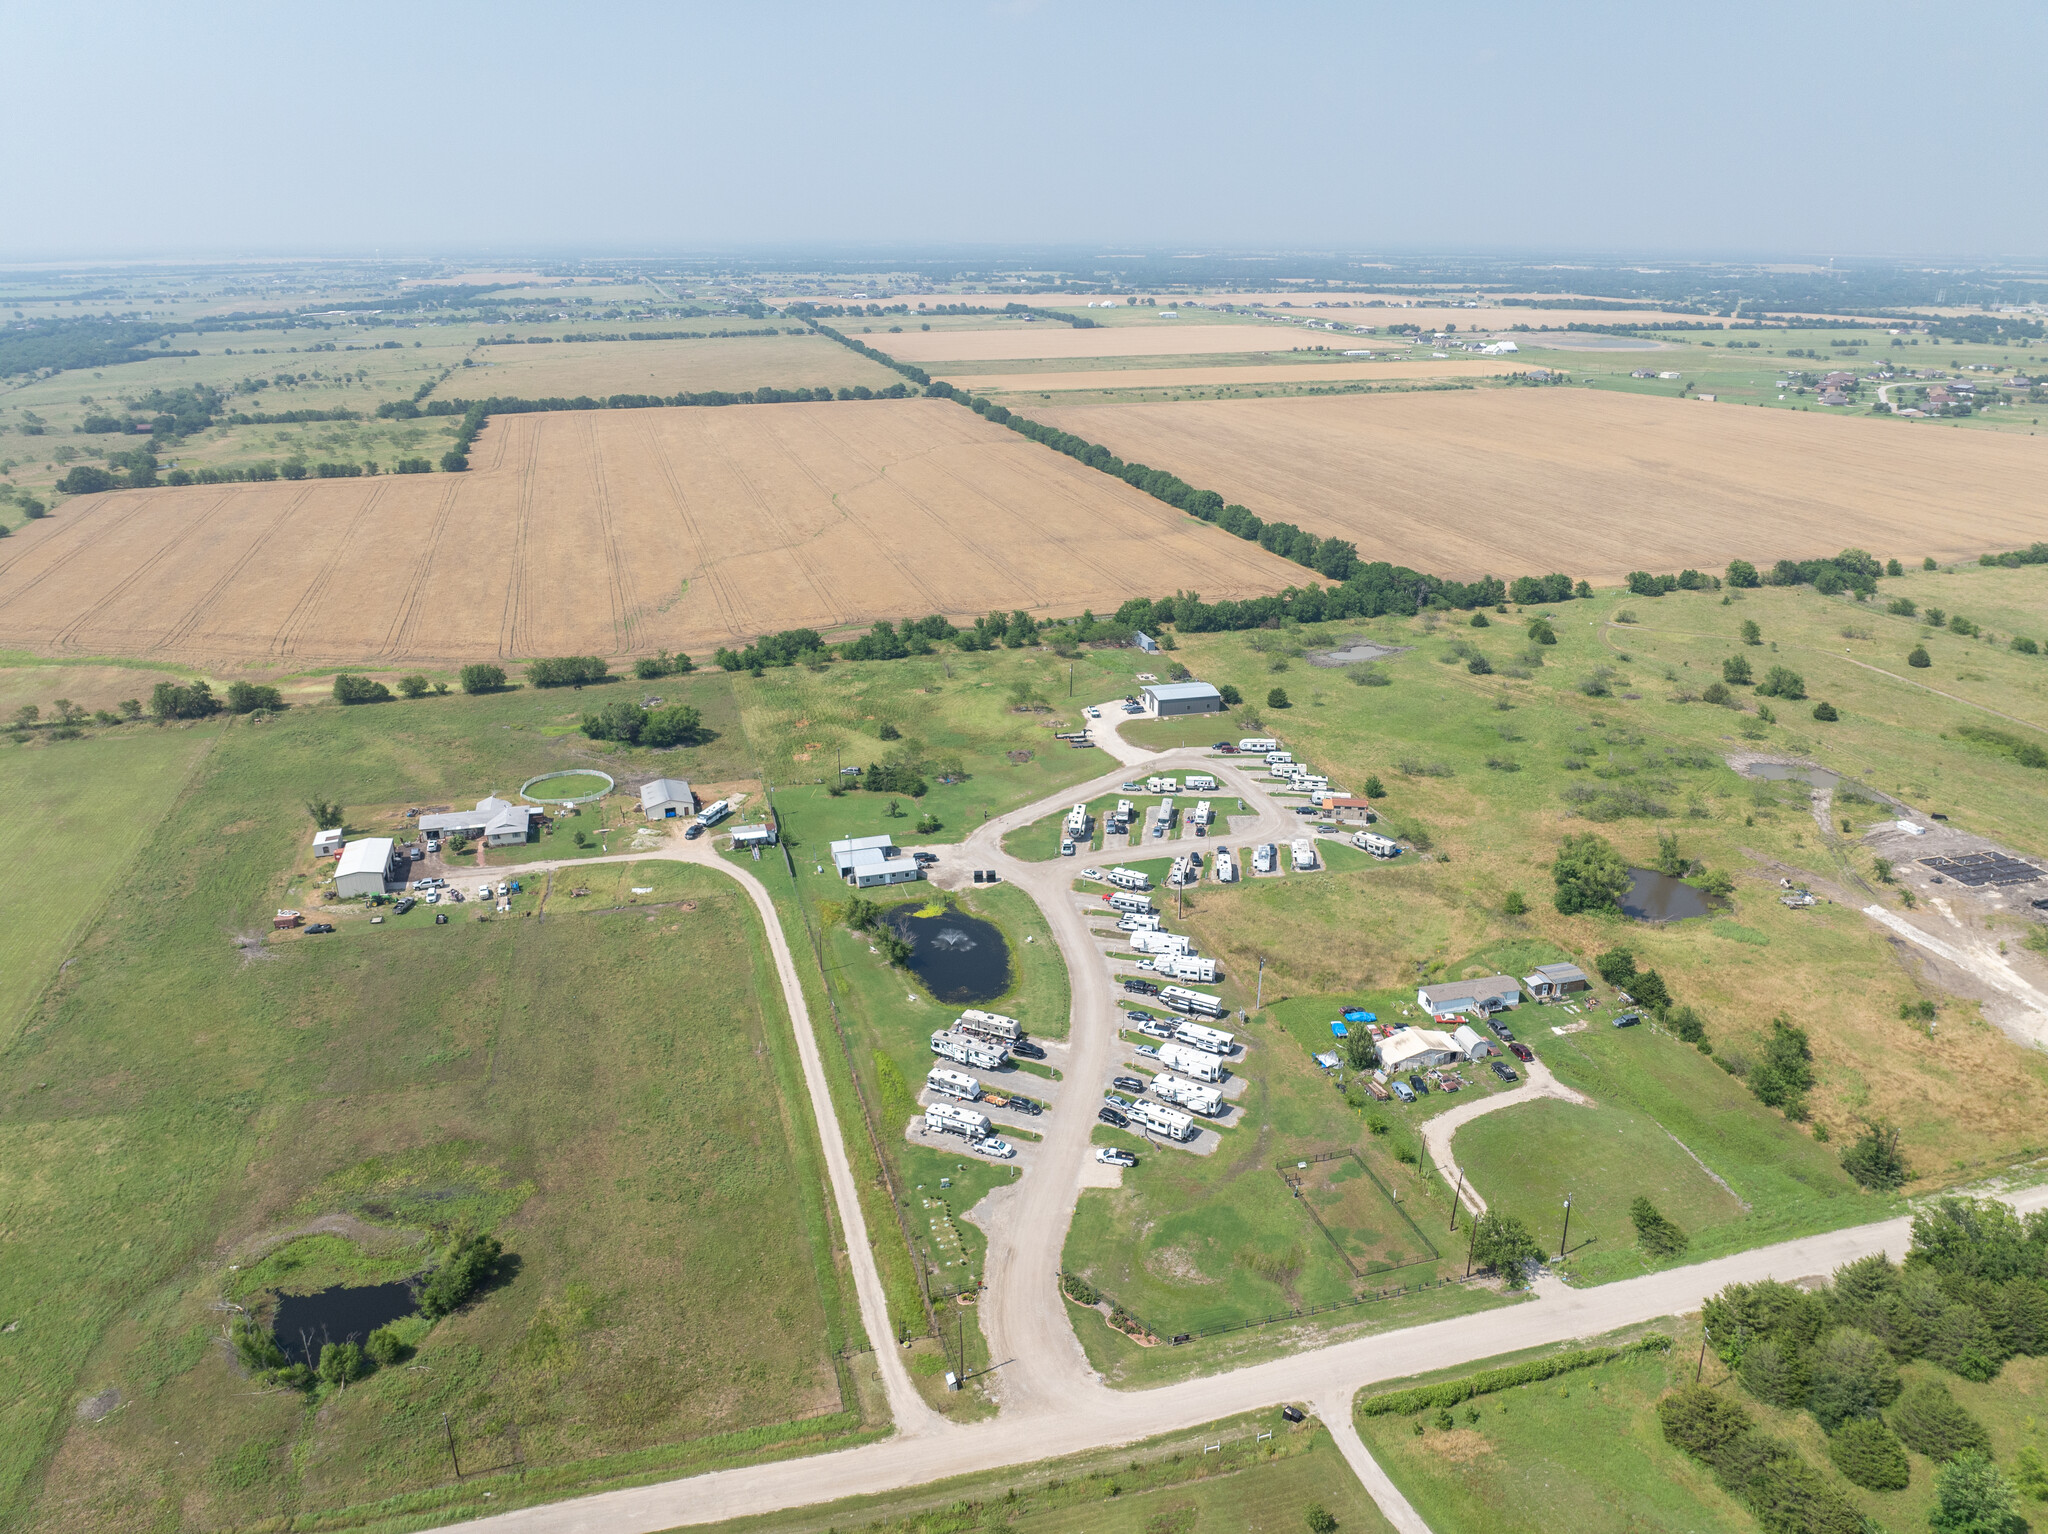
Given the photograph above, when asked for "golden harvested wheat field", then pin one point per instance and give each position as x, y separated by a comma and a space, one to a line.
1523, 481
601, 368
611, 532
1245, 375
1171, 338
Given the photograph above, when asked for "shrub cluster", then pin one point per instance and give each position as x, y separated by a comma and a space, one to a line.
190, 700
567, 671
1787, 1495
1452, 1392
625, 721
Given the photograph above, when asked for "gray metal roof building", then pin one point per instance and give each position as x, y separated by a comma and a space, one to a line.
1168, 699
365, 866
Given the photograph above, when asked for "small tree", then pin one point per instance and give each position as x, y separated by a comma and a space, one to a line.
471, 1262
1870, 1454
1541, 631
1875, 1160
342, 1362
1502, 1244
414, 686
325, 816
385, 1348
1514, 904
1751, 634
351, 688
1918, 656
1277, 698
1481, 621
1782, 682
1735, 671
1320, 1519
1851, 1374
482, 677
1230, 695
1931, 1422
1589, 874
1374, 788
1974, 1498
1825, 712
888, 731
247, 698
1655, 1234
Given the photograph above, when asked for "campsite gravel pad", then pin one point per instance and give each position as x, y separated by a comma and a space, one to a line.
1980, 868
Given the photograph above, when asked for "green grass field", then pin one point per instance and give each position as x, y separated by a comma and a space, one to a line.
1163, 1486
602, 1089
1584, 1450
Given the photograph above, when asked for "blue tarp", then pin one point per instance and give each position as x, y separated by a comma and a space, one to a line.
1355, 1016
1338, 1030
1329, 1062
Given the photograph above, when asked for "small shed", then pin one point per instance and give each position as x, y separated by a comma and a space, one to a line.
1145, 642
762, 835
327, 844
667, 798
1547, 982
365, 866
1471, 1043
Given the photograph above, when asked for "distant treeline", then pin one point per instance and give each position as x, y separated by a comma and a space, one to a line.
626, 335
29, 346
809, 311
1600, 305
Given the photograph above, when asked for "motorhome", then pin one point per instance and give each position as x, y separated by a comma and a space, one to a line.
949, 1083
1161, 942
1197, 1002
1189, 1061
1226, 867
1135, 905
1184, 871
1303, 852
1129, 878
990, 1025
1077, 821
713, 813
982, 1054
1379, 846
1162, 817
1265, 858
1168, 1123
1124, 811
1201, 782
1214, 1040
952, 1119
1206, 1101
1258, 743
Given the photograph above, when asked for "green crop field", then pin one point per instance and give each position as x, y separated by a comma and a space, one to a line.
1584, 1450
1161, 1486
615, 1094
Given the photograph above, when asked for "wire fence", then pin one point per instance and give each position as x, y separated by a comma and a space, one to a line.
1379, 1296
1337, 1246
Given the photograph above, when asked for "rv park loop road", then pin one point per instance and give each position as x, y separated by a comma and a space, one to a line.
1052, 1402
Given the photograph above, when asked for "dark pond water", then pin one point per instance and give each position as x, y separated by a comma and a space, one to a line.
308, 1322
959, 958
1659, 897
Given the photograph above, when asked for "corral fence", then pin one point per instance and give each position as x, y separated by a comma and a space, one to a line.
1295, 1185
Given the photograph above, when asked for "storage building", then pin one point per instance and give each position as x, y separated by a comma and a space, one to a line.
366, 866
886, 871
1169, 699
753, 836
1411, 1049
857, 851
327, 844
1547, 982
666, 799
1471, 1042
1490, 993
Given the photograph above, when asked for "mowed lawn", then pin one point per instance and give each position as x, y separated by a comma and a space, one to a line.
615, 1095
77, 812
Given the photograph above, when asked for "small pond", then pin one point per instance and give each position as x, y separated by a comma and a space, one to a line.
960, 959
1659, 897
305, 1323
1354, 649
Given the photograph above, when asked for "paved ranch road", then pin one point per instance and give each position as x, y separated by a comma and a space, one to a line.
1052, 1402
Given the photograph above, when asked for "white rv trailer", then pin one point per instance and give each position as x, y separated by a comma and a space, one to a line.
1138, 921
1129, 878
1168, 1123
1161, 942
1226, 867
990, 1025
982, 1054
1197, 1003
1200, 783
1130, 904
948, 1083
1258, 743
1214, 1040
952, 1119
1303, 852
1189, 1061
1186, 966
1206, 1101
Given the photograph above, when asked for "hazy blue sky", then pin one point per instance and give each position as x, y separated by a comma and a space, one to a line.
1796, 128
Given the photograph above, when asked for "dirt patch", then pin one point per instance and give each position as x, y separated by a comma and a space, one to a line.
93, 1408
1019, 758
1355, 648
1178, 1264
1460, 1446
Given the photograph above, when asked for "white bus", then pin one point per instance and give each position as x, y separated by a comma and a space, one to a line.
952, 1119
1214, 1040
990, 1025
1196, 1002
982, 1054
1168, 1123
1258, 743
953, 1084
1198, 1063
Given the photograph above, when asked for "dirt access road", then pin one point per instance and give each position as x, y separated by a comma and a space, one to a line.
1052, 1402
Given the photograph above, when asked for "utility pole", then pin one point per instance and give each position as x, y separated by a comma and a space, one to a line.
1259, 1001
1567, 1236
450, 1432
1700, 1367
1456, 1196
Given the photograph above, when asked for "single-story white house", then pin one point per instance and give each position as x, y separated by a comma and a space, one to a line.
1489, 993
761, 835
1411, 1049
495, 822
366, 866
887, 871
666, 798
1547, 982
854, 851
1471, 1043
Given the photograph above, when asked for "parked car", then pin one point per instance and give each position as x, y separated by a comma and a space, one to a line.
1145, 1051
1401, 1090
1415, 1080
1092, 711
1293, 1413
1503, 1070
1141, 987
405, 903
1307, 809
1116, 1102
1127, 1084
1225, 747
1109, 1155
1027, 1105
1111, 1117
1521, 1052
1027, 1049
1504, 1033
1628, 1019
321, 926
693, 832
1002, 1150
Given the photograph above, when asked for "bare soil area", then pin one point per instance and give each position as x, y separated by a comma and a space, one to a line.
612, 532
1517, 481
601, 368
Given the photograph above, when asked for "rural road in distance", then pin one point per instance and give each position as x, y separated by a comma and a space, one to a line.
1053, 1403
